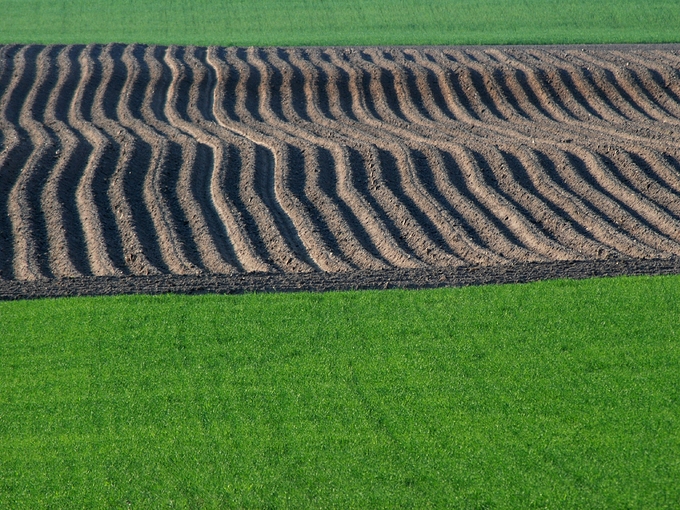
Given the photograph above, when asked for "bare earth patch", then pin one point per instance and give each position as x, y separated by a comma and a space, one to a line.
130, 168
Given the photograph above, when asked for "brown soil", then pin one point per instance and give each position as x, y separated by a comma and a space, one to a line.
186, 169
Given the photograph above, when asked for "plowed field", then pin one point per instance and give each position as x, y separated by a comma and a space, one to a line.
186, 164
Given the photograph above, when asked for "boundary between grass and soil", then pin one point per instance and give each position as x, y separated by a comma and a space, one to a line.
429, 278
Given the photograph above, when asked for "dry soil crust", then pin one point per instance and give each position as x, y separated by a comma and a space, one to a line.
129, 167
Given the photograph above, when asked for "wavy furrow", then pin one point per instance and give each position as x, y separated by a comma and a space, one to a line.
23, 209
103, 241
532, 204
14, 90
256, 172
295, 160
140, 160
155, 148
350, 156
345, 231
67, 249
197, 227
557, 140
521, 232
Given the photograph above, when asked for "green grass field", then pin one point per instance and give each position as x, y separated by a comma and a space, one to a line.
339, 22
556, 394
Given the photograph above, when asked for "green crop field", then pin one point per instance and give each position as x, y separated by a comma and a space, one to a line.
339, 22
556, 394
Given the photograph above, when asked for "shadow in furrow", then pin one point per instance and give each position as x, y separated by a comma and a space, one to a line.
663, 84
479, 83
201, 190
614, 82
274, 83
454, 81
545, 91
265, 175
298, 98
643, 87
581, 169
297, 181
103, 172
320, 84
500, 78
328, 182
548, 166
172, 157
20, 82
674, 164
229, 80
414, 92
389, 95
364, 83
169, 184
491, 180
232, 187
73, 170
567, 79
432, 87
457, 179
520, 175
24, 208
140, 164
426, 175
342, 82
614, 169
590, 81
360, 182
392, 179
252, 88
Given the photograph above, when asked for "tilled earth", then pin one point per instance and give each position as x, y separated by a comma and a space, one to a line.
131, 168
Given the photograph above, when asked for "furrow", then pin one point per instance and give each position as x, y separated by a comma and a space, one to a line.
392, 177
505, 244
67, 250
315, 182
126, 183
184, 183
24, 211
530, 86
156, 152
637, 167
295, 182
95, 210
358, 205
441, 126
520, 226
583, 83
571, 168
269, 249
131, 160
249, 111
541, 175
617, 84
14, 84
651, 219
666, 220
571, 127
655, 79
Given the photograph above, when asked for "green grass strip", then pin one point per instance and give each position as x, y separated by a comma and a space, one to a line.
557, 394
338, 22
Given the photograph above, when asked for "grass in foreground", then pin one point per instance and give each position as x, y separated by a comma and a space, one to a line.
338, 22
560, 394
